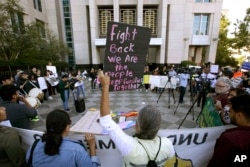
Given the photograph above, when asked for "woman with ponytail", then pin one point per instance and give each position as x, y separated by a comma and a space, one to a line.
55, 149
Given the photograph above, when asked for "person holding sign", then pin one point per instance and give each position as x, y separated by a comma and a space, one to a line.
145, 144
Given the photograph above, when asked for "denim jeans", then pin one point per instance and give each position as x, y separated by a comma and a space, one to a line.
79, 90
66, 99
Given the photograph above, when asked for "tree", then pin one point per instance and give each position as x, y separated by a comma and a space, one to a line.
224, 51
27, 44
12, 35
241, 42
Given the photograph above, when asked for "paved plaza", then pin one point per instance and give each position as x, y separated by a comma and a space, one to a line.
126, 101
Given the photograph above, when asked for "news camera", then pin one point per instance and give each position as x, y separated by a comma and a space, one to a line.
204, 84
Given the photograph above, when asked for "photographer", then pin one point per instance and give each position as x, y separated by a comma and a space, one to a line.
206, 83
183, 76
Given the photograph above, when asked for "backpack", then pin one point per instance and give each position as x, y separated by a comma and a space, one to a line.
152, 163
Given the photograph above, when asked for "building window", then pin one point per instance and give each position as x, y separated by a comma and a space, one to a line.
17, 22
128, 15
41, 28
68, 30
200, 26
150, 19
37, 5
203, 0
106, 14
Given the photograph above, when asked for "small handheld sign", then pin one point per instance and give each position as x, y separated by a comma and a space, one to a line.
125, 55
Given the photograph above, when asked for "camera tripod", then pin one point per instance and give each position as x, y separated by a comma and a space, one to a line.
170, 89
202, 94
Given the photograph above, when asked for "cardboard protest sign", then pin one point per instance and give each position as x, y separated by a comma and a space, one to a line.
209, 117
125, 55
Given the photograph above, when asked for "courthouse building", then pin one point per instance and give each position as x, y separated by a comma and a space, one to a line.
181, 29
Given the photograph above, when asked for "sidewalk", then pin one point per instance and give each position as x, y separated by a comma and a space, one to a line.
126, 101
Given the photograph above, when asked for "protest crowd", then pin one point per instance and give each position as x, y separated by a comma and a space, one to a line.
22, 94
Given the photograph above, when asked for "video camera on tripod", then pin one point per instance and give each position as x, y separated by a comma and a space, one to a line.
204, 84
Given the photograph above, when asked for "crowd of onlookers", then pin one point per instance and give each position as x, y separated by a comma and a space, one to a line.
229, 90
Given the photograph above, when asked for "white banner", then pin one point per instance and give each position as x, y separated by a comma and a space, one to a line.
193, 146
163, 81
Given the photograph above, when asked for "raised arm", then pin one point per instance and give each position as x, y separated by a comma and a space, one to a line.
105, 107
123, 141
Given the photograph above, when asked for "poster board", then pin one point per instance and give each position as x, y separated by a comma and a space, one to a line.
214, 68
125, 55
88, 123
53, 69
42, 83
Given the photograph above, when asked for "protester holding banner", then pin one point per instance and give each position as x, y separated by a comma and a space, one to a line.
19, 115
55, 149
144, 146
11, 152
222, 87
234, 142
224, 113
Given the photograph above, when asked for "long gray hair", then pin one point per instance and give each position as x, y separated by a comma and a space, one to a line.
148, 122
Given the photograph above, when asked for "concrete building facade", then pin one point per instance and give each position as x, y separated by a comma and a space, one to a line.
181, 29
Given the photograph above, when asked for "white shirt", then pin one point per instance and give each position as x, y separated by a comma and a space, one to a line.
131, 150
210, 77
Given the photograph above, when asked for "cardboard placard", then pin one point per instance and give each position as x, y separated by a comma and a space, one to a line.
125, 55
214, 68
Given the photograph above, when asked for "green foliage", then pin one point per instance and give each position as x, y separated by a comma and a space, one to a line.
186, 63
26, 45
242, 33
224, 53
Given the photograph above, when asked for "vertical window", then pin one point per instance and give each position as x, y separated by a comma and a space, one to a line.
128, 15
68, 30
200, 25
106, 14
37, 5
150, 19
41, 28
17, 22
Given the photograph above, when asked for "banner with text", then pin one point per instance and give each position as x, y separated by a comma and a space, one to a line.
194, 147
125, 55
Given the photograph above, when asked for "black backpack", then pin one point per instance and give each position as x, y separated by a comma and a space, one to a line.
152, 163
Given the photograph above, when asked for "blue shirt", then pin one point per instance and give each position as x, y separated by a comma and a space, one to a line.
71, 154
183, 79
